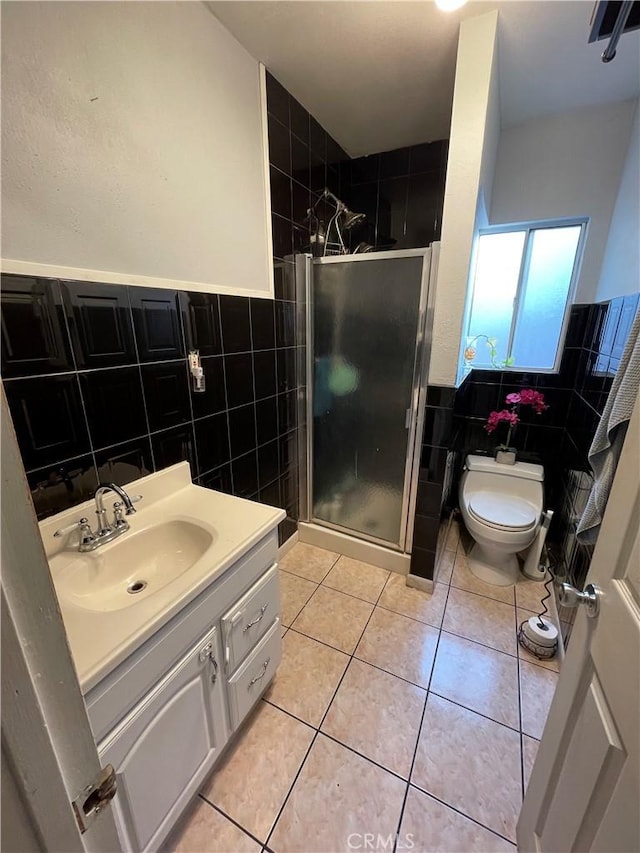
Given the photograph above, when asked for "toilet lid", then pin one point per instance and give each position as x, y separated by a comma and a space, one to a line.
504, 511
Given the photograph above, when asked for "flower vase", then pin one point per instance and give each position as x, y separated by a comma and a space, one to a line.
506, 455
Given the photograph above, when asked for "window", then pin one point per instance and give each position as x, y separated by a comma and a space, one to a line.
522, 283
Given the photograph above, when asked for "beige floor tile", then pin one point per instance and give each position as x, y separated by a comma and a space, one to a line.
553, 664
444, 566
308, 562
399, 645
357, 578
338, 797
529, 752
378, 715
477, 677
481, 619
334, 618
254, 776
537, 686
463, 578
423, 606
470, 763
307, 677
294, 594
428, 825
529, 594
205, 830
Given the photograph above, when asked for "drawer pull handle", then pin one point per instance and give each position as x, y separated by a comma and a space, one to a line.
256, 620
258, 677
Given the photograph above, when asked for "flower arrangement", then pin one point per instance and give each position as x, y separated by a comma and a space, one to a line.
526, 397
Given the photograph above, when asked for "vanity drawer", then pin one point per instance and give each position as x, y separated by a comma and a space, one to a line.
250, 618
251, 679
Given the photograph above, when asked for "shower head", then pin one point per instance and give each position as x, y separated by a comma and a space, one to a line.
349, 218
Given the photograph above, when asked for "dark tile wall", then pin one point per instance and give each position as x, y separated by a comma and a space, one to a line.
402, 194
303, 160
433, 482
596, 338
97, 382
559, 438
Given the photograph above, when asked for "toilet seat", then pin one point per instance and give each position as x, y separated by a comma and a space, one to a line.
502, 512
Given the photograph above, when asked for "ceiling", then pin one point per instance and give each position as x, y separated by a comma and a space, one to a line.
379, 75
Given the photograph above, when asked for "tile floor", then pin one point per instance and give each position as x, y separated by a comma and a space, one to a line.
394, 713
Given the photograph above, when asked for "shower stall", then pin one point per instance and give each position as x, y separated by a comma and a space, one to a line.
367, 320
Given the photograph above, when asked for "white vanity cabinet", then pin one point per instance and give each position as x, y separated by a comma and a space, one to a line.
164, 714
167, 745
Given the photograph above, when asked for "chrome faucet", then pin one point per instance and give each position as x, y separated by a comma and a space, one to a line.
90, 540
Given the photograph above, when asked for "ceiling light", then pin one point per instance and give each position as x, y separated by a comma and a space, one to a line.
449, 5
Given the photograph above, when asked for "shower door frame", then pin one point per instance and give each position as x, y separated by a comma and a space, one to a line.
415, 427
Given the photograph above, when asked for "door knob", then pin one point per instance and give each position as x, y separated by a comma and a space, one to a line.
569, 596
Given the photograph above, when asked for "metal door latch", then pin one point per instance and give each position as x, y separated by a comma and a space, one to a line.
569, 596
88, 805
207, 653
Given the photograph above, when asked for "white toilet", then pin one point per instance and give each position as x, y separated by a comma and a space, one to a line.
501, 507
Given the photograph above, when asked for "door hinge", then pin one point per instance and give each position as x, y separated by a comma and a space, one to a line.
88, 805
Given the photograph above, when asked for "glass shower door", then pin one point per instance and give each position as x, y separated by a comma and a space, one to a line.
366, 316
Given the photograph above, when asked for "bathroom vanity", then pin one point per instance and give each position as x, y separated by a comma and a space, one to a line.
175, 631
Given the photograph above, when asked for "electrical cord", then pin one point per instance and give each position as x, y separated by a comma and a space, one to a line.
540, 651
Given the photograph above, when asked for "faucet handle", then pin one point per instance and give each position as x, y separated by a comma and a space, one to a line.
86, 533
75, 526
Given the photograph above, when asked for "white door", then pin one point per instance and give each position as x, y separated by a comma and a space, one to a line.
584, 792
48, 750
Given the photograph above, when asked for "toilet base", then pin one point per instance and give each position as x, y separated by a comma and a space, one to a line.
493, 566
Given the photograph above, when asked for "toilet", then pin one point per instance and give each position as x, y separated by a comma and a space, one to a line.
501, 506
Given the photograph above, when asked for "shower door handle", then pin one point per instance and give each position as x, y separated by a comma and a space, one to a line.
407, 419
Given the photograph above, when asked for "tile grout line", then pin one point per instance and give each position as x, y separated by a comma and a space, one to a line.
424, 711
522, 784
317, 732
461, 813
229, 818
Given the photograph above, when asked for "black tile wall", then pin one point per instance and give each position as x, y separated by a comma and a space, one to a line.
303, 159
100, 323
595, 340
97, 382
402, 194
34, 335
432, 481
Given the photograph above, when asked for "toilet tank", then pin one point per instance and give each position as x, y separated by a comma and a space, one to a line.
523, 479
488, 465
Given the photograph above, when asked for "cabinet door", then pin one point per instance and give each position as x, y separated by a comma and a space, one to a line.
163, 750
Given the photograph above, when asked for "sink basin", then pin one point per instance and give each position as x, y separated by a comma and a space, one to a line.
133, 567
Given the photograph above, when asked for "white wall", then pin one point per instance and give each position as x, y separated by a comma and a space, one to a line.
621, 266
475, 123
133, 146
565, 166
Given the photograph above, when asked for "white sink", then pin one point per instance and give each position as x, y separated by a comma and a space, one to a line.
133, 567
181, 538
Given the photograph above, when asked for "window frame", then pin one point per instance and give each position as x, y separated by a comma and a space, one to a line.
529, 228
